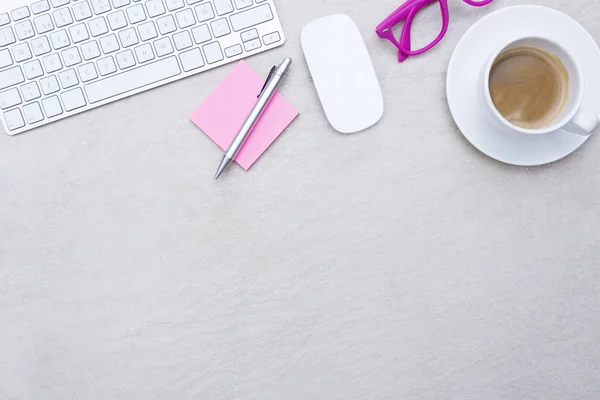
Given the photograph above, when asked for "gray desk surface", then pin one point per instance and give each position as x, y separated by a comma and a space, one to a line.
395, 264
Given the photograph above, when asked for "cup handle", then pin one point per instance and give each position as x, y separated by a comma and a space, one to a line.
583, 123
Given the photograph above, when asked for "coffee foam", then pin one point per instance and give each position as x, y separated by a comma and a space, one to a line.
529, 87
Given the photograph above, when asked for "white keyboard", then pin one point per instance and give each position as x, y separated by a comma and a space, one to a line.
62, 57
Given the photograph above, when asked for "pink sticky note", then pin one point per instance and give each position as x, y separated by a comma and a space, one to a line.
227, 107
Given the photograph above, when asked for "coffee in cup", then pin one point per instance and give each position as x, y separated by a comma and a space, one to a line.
529, 86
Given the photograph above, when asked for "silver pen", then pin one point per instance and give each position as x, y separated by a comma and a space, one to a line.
273, 81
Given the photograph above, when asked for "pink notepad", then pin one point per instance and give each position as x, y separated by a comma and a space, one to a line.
227, 107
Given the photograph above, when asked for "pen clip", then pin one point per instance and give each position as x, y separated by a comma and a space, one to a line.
271, 73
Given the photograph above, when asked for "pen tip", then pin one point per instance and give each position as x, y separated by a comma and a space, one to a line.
222, 167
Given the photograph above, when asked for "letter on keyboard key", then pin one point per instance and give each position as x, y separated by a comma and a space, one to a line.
33, 69
204, 12
9, 98
14, 119
213, 52
52, 106
33, 113
73, 99
191, 59
106, 66
133, 79
11, 77
5, 58
254, 16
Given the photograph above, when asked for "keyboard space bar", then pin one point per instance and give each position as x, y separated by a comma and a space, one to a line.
132, 79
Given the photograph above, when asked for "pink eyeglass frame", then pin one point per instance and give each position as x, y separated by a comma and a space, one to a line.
406, 12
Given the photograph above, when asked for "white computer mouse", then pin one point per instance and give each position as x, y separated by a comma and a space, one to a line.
343, 73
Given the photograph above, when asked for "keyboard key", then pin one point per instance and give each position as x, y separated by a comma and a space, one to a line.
21, 52
87, 72
82, 10
201, 34
73, 99
60, 39
68, 79
30, 91
166, 24
233, 51
106, 66
58, 3
220, 27
125, 59
100, 6
33, 69
4, 19
252, 45
271, 38
51, 106
204, 12
191, 59
40, 45
49, 85
5, 58
98, 26
24, 30
40, 7
52, 63
62, 17
155, 8
185, 18
20, 13
7, 36
182, 40
243, 4
136, 14
133, 79
79, 33
147, 31
33, 113
249, 18
249, 35
120, 3
14, 119
11, 77
163, 46
43, 24
90, 50
128, 37
213, 53
10, 98
144, 53
117, 20
109, 44
223, 7
173, 5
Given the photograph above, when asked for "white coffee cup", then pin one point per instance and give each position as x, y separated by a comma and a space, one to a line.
572, 118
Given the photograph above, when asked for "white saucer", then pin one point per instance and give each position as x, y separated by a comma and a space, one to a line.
474, 50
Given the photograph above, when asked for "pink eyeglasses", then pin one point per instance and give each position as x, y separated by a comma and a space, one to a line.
406, 12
